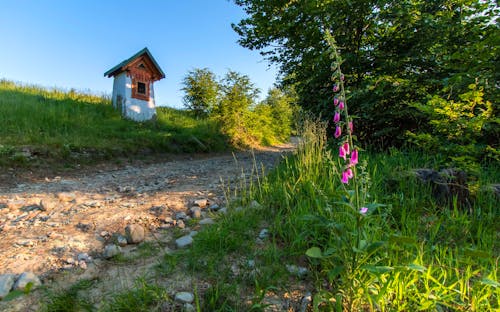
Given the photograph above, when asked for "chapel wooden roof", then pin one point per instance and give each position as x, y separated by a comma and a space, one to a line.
144, 54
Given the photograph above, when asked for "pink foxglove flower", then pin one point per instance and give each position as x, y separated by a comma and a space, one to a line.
336, 117
342, 153
363, 210
338, 132
335, 101
335, 88
345, 146
349, 172
351, 126
345, 178
354, 158
342, 77
341, 105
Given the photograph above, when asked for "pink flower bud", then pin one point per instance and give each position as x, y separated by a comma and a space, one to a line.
345, 178
345, 146
354, 158
342, 77
342, 153
363, 210
336, 117
338, 132
349, 172
341, 105
350, 125
335, 101
335, 88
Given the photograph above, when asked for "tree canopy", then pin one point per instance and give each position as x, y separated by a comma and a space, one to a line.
397, 55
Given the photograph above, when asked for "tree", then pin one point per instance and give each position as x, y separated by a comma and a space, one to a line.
237, 96
201, 89
281, 104
396, 54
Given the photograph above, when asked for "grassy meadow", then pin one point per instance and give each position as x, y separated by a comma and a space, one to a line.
408, 253
39, 125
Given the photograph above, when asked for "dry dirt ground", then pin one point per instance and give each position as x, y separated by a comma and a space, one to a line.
46, 224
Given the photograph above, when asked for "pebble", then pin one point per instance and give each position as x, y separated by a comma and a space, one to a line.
296, 270
180, 224
46, 204
66, 196
184, 241
196, 212
83, 257
111, 251
6, 283
26, 278
121, 240
184, 297
264, 233
255, 204
135, 233
223, 210
82, 264
180, 215
214, 207
201, 202
188, 307
207, 221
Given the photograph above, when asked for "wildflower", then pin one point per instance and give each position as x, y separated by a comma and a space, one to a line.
342, 77
336, 118
345, 178
350, 125
338, 132
336, 101
342, 153
354, 158
341, 105
345, 146
363, 210
349, 172
335, 88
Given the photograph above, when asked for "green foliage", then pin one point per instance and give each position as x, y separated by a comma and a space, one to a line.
396, 54
70, 300
40, 125
201, 90
458, 127
409, 254
144, 297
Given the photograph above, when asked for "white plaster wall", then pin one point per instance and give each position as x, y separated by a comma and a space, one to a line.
134, 109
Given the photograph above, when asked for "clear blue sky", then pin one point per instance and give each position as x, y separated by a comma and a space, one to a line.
71, 43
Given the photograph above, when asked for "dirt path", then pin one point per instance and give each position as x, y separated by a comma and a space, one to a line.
45, 227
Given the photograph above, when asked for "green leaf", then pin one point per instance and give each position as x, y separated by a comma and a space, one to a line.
377, 269
333, 273
402, 239
473, 253
489, 282
314, 252
416, 267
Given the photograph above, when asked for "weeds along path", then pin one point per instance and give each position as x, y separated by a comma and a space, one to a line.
46, 226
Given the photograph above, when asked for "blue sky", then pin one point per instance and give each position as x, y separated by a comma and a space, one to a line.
71, 43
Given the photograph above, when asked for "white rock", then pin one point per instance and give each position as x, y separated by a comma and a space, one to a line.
180, 215
184, 241
188, 307
121, 240
184, 297
255, 204
26, 278
207, 221
296, 270
83, 257
180, 224
264, 233
6, 283
201, 202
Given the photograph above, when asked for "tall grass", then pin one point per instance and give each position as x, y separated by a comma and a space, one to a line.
409, 254
55, 124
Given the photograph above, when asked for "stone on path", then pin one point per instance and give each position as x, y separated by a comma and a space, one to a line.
47, 204
111, 251
66, 196
196, 212
202, 203
184, 241
207, 221
6, 282
134, 233
26, 278
184, 297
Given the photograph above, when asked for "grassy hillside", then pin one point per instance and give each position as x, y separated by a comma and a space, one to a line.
39, 124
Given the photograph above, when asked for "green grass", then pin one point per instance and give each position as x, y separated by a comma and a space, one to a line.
77, 127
